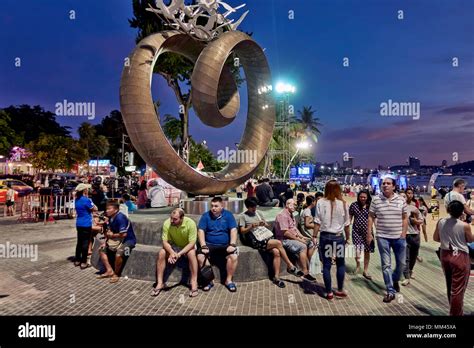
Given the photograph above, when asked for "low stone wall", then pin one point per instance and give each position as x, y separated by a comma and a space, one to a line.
147, 225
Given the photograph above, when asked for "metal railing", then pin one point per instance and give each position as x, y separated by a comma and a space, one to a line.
47, 208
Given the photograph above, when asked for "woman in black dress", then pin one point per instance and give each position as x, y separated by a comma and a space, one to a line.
360, 212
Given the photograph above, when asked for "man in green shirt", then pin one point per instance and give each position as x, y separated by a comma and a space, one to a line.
179, 239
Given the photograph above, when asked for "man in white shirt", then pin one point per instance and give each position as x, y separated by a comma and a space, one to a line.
389, 212
10, 201
456, 194
157, 196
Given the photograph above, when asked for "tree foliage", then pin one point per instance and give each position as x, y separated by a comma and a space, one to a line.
198, 152
96, 145
8, 137
51, 152
29, 122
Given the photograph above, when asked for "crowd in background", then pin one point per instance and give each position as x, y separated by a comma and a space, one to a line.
311, 234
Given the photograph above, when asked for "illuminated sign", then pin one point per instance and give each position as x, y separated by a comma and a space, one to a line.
102, 163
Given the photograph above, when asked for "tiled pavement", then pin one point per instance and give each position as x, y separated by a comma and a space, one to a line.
53, 286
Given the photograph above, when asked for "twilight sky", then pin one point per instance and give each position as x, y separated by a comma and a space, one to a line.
407, 60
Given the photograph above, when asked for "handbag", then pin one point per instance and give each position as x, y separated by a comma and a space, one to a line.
261, 233
206, 274
315, 265
114, 244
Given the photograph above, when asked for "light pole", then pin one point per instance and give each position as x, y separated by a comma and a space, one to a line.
299, 146
123, 147
282, 91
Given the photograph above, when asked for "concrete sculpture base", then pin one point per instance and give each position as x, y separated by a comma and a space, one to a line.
201, 204
253, 265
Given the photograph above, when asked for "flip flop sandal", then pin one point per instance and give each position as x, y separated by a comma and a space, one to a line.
279, 283
366, 276
114, 279
86, 266
155, 292
231, 287
193, 293
208, 287
77, 263
104, 276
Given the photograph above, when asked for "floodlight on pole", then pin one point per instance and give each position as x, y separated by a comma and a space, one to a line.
283, 88
299, 146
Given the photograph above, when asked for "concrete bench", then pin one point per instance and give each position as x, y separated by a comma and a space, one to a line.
253, 264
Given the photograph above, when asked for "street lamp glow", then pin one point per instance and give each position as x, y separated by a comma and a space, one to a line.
303, 145
285, 88
322, 167
299, 146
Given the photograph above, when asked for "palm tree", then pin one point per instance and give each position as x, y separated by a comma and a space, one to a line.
87, 132
99, 148
172, 129
307, 126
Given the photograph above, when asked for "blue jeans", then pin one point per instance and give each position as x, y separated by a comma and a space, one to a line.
399, 247
329, 245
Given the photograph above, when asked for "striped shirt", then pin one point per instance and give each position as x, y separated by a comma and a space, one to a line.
389, 215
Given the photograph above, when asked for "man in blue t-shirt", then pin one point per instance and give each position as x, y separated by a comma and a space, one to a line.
217, 235
120, 240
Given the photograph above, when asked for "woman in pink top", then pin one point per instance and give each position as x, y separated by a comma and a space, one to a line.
142, 196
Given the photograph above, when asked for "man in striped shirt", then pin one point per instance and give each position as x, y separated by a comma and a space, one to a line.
389, 211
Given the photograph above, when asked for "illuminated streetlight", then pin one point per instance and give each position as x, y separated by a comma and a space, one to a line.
302, 145
285, 88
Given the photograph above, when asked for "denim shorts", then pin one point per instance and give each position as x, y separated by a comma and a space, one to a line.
295, 246
124, 249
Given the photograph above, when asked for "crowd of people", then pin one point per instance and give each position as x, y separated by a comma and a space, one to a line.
309, 229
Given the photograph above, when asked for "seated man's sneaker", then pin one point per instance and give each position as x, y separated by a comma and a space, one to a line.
309, 278
295, 271
388, 298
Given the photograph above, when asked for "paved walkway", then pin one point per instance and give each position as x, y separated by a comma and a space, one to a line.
53, 286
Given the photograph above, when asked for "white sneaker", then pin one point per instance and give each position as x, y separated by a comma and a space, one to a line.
406, 282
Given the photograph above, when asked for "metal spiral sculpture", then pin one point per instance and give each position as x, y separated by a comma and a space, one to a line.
216, 99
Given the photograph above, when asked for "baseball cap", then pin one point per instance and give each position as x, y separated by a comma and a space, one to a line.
82, 187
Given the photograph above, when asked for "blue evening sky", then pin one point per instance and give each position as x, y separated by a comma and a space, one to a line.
407, 60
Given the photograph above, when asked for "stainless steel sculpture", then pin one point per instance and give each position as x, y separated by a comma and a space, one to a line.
185, 18
215, 101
